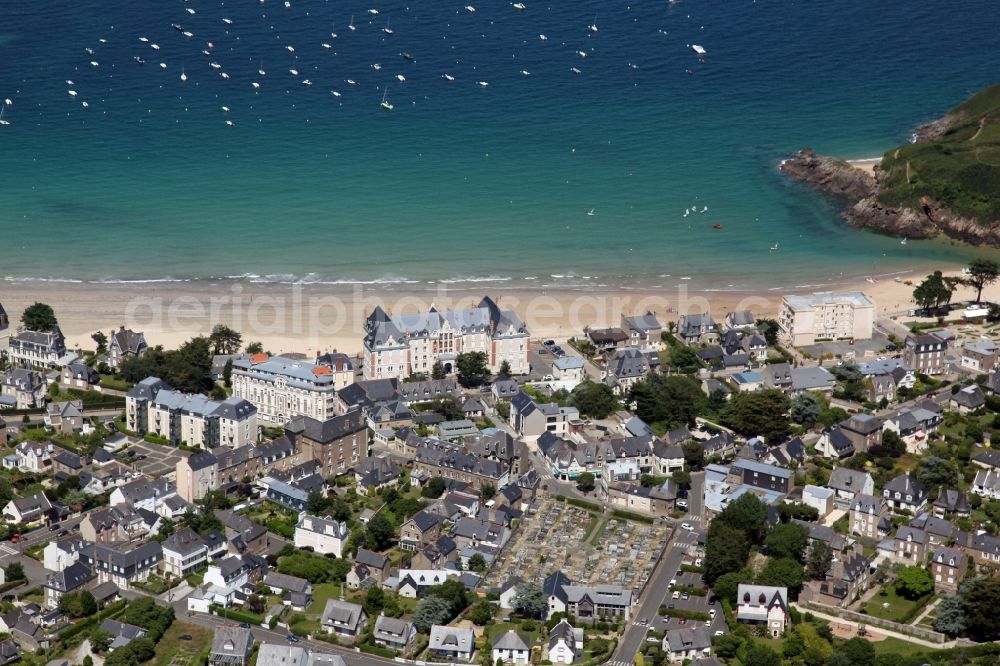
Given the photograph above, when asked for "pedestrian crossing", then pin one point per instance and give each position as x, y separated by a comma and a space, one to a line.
619, 663
7, 549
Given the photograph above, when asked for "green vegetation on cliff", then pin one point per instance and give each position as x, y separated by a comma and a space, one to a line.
955, 164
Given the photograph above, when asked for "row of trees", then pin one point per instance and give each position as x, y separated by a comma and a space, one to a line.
937, 289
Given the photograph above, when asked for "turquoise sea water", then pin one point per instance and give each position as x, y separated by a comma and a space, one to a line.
463, 182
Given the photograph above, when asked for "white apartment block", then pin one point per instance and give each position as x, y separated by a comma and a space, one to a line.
323, 535
397, 346
804, 319
282, 388
153, 407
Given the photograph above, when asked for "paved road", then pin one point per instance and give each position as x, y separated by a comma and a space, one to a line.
696, 500
654, 594
13, 552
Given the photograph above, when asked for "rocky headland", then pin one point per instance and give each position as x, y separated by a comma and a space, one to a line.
945, 183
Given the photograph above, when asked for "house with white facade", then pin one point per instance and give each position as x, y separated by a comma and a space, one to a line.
37, 348
399, 345
122, 567
323, 535
530, 419
763, 604
452, 642
184, 552
511, 648
565, 643
33, 457
281, 388
687, 643
27, 509
57, 555
804, 319
393, 633
144, 493
343, 618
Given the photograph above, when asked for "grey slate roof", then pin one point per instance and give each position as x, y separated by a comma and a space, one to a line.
197, 461
512, 640
329, 430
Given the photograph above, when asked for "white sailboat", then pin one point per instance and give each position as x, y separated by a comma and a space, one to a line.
387, 30
2, 121
350, 26
386, 104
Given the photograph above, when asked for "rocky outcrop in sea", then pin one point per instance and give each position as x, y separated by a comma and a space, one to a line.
838, 178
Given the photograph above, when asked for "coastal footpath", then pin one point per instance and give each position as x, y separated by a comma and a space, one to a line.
947, 182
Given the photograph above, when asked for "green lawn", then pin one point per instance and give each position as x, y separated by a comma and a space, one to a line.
892, 645
321, 593
112, 383
171, 645
497, 630
898, 607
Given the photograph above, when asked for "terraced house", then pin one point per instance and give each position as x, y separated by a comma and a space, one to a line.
397, 346
453, 461
338, 444
122, 567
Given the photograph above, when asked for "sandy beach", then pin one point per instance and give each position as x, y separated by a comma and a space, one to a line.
319, 318
867, 164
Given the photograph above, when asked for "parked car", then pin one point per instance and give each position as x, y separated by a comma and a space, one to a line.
682, 504
291, 638
185, 637
675, 595
245, 625
548, 378
687, 526
685, 596
682, 620
652, 639
549, 343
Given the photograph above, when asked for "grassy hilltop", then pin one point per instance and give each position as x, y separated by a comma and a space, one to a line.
955, 163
